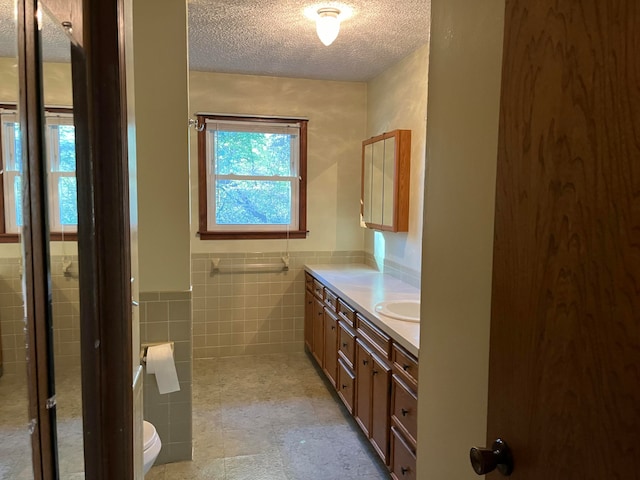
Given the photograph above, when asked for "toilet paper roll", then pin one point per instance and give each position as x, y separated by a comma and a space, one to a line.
160, 362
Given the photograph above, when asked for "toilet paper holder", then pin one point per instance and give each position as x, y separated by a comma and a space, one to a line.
145, 346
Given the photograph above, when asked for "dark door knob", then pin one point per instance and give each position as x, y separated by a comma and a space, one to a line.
484, 460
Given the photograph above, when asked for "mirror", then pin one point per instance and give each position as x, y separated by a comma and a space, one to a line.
15, 441
385, 181
63, 260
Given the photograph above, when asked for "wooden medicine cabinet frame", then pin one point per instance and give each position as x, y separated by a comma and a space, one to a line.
386, 165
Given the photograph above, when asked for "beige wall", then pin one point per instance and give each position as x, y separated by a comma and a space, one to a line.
8, 80
336, 113
161, 103
397, 99
462, 137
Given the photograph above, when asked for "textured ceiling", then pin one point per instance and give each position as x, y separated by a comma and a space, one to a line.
274, 37
56, 45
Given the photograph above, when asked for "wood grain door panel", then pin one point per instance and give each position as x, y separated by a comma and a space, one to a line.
564, 388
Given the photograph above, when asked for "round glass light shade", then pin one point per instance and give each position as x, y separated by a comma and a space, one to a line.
328, 25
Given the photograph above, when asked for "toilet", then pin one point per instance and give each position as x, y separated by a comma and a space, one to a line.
152, 445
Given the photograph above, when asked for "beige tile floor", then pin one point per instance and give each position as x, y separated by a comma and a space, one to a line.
270, 417
256, 418
15, 445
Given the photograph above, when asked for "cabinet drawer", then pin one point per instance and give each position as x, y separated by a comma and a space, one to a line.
403, 461
318, 289
346, 385
347, 343
405, 408
406, 365
346, 313
379, 340
330, 299
308, 281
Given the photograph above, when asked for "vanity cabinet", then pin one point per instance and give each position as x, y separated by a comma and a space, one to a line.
404, 410
373, 375
373, 384
386, 163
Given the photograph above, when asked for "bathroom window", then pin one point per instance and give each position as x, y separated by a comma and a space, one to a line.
252, 177
61, 163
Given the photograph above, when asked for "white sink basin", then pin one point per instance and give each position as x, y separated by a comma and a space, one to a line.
407, 310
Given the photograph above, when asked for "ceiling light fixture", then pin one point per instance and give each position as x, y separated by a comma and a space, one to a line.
328, 24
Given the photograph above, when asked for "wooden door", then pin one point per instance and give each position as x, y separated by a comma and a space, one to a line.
362, 367
308, 319
330, 356
564, 389
380, 395
318, 331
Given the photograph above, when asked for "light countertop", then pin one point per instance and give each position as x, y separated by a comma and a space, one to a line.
362, 287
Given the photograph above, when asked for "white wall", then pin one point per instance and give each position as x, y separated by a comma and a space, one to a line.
397, 99
336, 128
462, 138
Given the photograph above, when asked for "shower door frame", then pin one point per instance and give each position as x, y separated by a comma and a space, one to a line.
99, 75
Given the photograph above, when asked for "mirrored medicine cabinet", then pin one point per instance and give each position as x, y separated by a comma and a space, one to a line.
386, 161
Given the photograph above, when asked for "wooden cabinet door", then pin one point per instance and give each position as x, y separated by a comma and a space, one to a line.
308, 320
363, 369
564, 382
380, 415
318, 330
346, 385
330, 365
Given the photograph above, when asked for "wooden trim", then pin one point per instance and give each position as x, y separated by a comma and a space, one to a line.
202, 177
59, 237
251, 235
104, 250
53, 237
36, 247
10, 238
203, 203
302, 201
401, 187
3, 228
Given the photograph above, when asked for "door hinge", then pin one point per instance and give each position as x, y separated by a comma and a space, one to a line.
51, 402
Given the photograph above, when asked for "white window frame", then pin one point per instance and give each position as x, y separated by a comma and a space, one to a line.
293, 129
53, 118
52, 121
9, 169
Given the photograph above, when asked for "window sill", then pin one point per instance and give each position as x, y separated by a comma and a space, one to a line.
251, 235
53, 236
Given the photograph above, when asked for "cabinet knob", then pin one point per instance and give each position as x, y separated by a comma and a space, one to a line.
404, 412
365, 362
406, 367
404, 470
485, 460
375, 372
344, 344
320, 313
333, 327
344, 386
